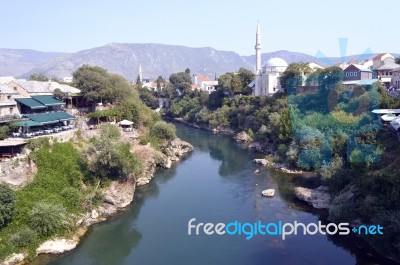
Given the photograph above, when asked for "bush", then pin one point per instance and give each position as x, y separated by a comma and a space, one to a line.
94, 199
36, 144
163, 131
47, 218
23, 238
4, 130
7, 204
72, 196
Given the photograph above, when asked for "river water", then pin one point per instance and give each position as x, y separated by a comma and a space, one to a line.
215, 183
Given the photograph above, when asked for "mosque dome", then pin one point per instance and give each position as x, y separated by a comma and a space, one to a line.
276, 62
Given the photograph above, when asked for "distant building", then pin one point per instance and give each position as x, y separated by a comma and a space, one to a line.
395, 82
203, 83
267, 77
6, 79
356, 74
67, 79
28, 88
8, 105
383, 65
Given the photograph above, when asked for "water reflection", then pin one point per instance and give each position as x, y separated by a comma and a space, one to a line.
215, 183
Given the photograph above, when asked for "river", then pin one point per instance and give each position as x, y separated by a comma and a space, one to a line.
215, 183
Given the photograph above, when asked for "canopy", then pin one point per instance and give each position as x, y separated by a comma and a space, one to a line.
51, 117
27, 123
31, 103
125, 122
48, 100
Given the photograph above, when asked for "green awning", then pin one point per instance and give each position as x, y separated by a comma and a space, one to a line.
31, 103
25, 123
51, 117
48, 100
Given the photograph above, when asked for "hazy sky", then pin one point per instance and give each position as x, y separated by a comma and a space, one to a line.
304, 26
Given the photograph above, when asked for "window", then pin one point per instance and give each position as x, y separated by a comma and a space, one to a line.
15, 88
8, 97
11, 110
355, 73
347, 74
351, 73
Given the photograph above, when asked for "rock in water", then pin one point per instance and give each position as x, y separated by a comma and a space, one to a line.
256, 171
268, 193
242, 137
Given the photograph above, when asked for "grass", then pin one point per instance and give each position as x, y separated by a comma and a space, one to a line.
58, 169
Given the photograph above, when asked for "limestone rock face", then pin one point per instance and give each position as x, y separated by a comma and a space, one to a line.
319, 198
242, 137
14, 259
56, 246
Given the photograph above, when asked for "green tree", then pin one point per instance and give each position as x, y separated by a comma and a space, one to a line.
110, 158
7, 204
294, 75
138, 82
4, 130
57, 93
93, 83
148, 98
163, 131
160, 82
47, 218
246, 76
38, 77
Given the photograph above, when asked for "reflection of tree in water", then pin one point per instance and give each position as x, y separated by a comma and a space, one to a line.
233, 158
355, 246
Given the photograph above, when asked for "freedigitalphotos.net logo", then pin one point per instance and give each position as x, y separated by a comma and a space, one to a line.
280, 229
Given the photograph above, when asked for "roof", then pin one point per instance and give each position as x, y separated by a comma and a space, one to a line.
31, 103
389, 66
6, 79
25, 123
33, 86
360, 67
396, 70
50, 117
6, 90
276, 62
203, 78
48, 100
363, 82
64, 88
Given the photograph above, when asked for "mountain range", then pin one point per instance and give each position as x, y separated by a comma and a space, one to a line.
155, 59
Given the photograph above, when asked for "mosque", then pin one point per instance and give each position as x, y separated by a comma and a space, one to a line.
267, 82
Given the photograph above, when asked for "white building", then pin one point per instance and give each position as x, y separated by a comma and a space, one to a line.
204, 83
267, 77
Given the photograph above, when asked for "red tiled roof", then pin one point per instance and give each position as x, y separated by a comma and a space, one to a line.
203, 78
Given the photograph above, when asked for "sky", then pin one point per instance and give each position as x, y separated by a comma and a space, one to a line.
302, 26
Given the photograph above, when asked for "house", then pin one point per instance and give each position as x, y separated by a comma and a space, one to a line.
8, 105
356, 72
204, 83
357, 75
27, 88
383, 65
6, 79
395, 82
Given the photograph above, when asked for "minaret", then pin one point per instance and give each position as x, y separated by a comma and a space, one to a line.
258, 49
140, 74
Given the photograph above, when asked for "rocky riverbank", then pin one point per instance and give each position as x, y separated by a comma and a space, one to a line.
117, 196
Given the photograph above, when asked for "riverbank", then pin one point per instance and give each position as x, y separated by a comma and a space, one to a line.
115, 197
